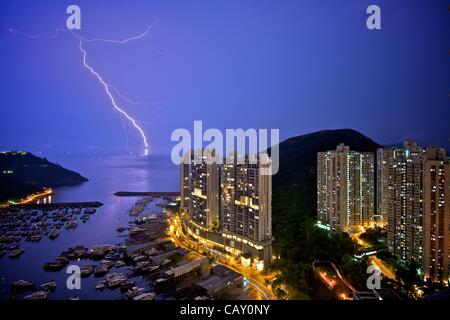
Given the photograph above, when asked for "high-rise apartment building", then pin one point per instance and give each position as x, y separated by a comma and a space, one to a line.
414, 200
399, 199
230, 205
184, 181
245, 200
203, 195
345, 188
436, 215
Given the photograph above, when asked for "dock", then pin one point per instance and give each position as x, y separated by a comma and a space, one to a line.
95, 204
155, 194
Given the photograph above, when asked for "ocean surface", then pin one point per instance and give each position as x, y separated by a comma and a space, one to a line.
107, 174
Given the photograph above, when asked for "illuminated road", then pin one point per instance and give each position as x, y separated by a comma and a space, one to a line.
36, 196
30, 198
382, 266
357, 237
332, 278
385, 270
255, 278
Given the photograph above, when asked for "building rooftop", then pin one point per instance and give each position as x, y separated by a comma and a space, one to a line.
216, 283
222, 270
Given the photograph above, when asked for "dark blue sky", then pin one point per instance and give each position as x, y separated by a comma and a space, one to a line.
299, 66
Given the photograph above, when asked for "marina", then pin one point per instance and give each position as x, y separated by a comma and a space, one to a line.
116, 252
30, 223
146, 256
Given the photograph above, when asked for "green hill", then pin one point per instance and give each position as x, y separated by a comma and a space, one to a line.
22, 173
294, 186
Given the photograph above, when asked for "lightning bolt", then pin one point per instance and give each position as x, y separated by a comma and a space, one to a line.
108, 92
142, 35
107, 87
120, 95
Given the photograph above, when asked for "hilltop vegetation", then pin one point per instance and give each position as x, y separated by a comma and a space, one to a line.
22, 173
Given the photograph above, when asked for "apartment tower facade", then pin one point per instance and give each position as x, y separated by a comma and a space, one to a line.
414, 199
345, 188
436, 215
399, 199
229, 204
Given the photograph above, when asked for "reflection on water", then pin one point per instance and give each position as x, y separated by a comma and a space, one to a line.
107, 175
44, 200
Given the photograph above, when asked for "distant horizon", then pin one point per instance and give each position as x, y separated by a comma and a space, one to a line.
86, 152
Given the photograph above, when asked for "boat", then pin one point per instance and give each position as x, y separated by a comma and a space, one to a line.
71, 224
75, 298
7, 239
120, 229
119, 264
53, 266
100, 270
139, 258
108, 264
35, 238
134, 292
77, 252
126, 285
90, 210
141, 264
49, 286
37, 295
86, 271
136, 229
150, 216
112, 256
150, 268
99, 251
145, 296
100, 285
22, 285
63, 260
54, 234
15, 253
115, 279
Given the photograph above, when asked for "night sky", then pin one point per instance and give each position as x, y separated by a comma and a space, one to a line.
299, 66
